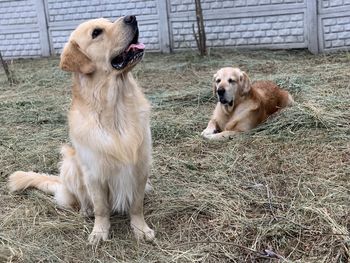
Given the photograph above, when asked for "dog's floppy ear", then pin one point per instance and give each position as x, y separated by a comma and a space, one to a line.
73, 59
244, 82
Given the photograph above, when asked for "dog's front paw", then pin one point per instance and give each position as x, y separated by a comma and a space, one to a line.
96, 236
207, 131
144, 232
217, 136
99, 232
209, 136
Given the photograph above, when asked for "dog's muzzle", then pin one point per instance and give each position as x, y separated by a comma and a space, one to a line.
224, 101
135, 50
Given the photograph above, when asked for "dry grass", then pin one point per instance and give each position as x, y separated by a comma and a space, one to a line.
278, 193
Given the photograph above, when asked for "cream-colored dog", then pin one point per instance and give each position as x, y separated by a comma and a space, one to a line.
107, 168
242, 106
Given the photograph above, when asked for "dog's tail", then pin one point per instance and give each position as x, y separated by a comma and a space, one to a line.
290, 100
19, 181
286, 99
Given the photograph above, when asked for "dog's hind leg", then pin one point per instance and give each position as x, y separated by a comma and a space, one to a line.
64, 198
60, 186
72, 177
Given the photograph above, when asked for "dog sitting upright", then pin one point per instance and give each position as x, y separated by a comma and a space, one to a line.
107, 168
242, 106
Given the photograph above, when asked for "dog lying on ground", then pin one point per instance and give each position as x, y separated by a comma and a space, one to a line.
107, 168
242, 106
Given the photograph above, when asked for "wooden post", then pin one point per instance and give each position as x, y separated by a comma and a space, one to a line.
201, 41
195, 36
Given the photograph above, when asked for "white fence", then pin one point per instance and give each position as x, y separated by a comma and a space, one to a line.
32, 28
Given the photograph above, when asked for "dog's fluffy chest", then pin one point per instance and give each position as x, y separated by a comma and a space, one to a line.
109, 122
118, 139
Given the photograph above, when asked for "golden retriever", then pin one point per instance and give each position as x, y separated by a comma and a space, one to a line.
107, 168
242, 106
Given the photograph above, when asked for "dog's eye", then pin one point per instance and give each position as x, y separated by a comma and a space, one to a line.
231, 81
96, 32
218, 80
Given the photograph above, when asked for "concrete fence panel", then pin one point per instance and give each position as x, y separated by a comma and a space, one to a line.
20, 29
334, 25
33, 28
64, 15
241, 23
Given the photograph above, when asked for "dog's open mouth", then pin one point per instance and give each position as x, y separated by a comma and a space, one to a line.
225, 102
131, 55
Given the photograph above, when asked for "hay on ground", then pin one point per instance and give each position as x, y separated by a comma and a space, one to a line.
278, 192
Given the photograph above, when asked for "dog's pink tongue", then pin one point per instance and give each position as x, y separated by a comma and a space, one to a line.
136, 46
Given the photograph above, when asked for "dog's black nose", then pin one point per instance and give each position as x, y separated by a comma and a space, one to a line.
221, 91
130, 20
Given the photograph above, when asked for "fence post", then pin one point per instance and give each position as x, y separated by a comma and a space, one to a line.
43, 29
164, 35
312, 26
